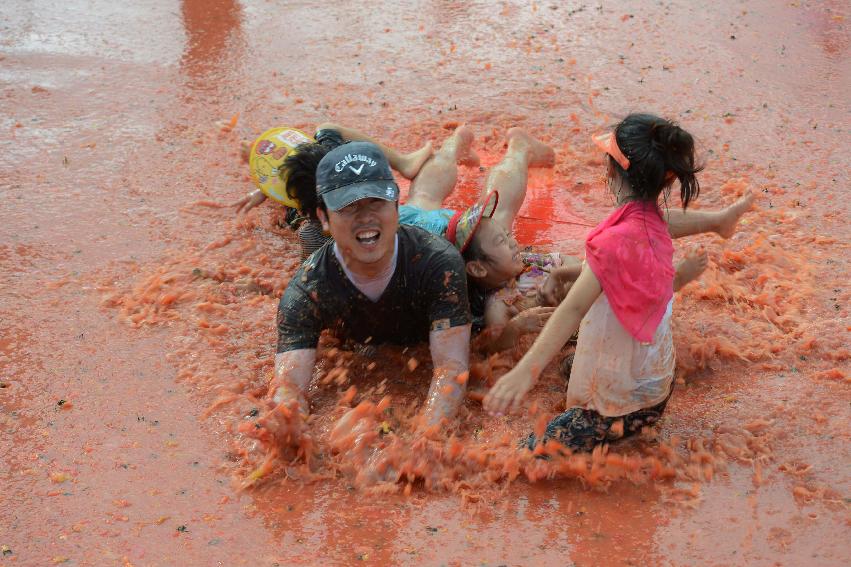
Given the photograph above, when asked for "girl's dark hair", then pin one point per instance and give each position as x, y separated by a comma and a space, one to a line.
654, 147
300, 167
474, 251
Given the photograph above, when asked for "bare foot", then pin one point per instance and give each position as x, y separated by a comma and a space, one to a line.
540, 154
464, 153
410, 164
244, 150
690, 267
729, 217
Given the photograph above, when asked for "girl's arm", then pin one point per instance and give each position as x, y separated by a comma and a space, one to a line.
251, 200
509, 390
496, 334
497, 316
504, 325
505, 336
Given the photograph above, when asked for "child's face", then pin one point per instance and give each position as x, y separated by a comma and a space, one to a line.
503, 262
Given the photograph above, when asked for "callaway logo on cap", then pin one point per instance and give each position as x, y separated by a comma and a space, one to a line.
354, 171
338, 167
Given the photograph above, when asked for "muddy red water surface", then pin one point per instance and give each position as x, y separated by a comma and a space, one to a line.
137, 323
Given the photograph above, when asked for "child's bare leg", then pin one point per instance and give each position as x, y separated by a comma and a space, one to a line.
408, 165
729, 216
438, 175
723, 222
509, 176
690, 267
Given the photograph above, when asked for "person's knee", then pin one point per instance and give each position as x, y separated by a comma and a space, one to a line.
513, 161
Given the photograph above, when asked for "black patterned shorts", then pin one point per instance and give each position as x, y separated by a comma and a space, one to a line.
580, 429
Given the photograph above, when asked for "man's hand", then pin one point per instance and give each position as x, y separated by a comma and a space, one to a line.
248, 202
509, 390
289, 392
283, 423
281, 426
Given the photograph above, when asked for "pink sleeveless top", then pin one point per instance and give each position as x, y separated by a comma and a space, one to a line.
632, 255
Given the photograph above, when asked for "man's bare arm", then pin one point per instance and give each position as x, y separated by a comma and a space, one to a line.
450, 354
293, 370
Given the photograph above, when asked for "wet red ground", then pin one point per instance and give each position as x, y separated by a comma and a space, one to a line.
127, 308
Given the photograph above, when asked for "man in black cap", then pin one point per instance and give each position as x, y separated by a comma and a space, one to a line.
375, 282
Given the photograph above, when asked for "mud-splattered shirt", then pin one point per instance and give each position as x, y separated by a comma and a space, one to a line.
428, 291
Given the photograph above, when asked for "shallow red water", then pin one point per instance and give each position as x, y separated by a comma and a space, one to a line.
138, 307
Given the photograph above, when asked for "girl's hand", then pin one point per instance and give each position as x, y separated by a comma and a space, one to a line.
531, 320
249, 201
551, 292
508, 392
555, 288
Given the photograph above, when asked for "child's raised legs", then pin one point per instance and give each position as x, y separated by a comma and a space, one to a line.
722, 222
509, 176
436, 179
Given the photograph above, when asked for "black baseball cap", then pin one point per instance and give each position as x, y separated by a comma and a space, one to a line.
354, 171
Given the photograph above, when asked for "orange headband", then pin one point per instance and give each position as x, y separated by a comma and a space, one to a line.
608, 144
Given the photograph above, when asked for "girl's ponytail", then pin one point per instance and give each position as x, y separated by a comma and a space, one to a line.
677, 147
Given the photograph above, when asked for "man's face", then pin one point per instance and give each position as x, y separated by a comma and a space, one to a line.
365, 232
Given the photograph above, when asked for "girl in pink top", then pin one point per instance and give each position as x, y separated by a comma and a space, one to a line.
621, 304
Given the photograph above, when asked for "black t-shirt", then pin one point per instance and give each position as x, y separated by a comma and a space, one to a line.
428, 291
